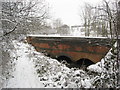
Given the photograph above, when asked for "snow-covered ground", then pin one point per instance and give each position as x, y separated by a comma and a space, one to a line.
24, 75
34, 70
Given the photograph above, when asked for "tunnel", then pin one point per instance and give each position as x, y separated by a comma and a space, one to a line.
69, 63
84, 61
67, 59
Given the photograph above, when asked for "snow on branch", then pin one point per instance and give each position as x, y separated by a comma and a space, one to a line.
8, 20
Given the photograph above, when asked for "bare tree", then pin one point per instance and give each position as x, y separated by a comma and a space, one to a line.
87, 18
105, 19
17, 18
57, 24
18, 14
107, 14
100, 18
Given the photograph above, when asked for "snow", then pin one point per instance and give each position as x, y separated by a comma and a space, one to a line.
95, 68
86, 83
24, 75
98, 67
34, 70
63, 36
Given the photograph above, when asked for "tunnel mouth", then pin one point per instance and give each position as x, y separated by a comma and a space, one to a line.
78, 64
84, 62
64, 58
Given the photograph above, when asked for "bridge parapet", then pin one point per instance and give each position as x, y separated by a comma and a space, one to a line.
73, 47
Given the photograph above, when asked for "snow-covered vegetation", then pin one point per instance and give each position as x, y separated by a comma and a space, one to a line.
23, 67
50, 73
31, 69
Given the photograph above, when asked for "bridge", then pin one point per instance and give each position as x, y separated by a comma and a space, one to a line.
71, 48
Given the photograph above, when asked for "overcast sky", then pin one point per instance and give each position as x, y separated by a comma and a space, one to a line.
68, 10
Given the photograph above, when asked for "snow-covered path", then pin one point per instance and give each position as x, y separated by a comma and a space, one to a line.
25, 75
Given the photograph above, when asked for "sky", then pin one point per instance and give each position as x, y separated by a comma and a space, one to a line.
68, 10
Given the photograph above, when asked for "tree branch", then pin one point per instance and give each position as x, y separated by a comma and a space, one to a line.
11, 30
